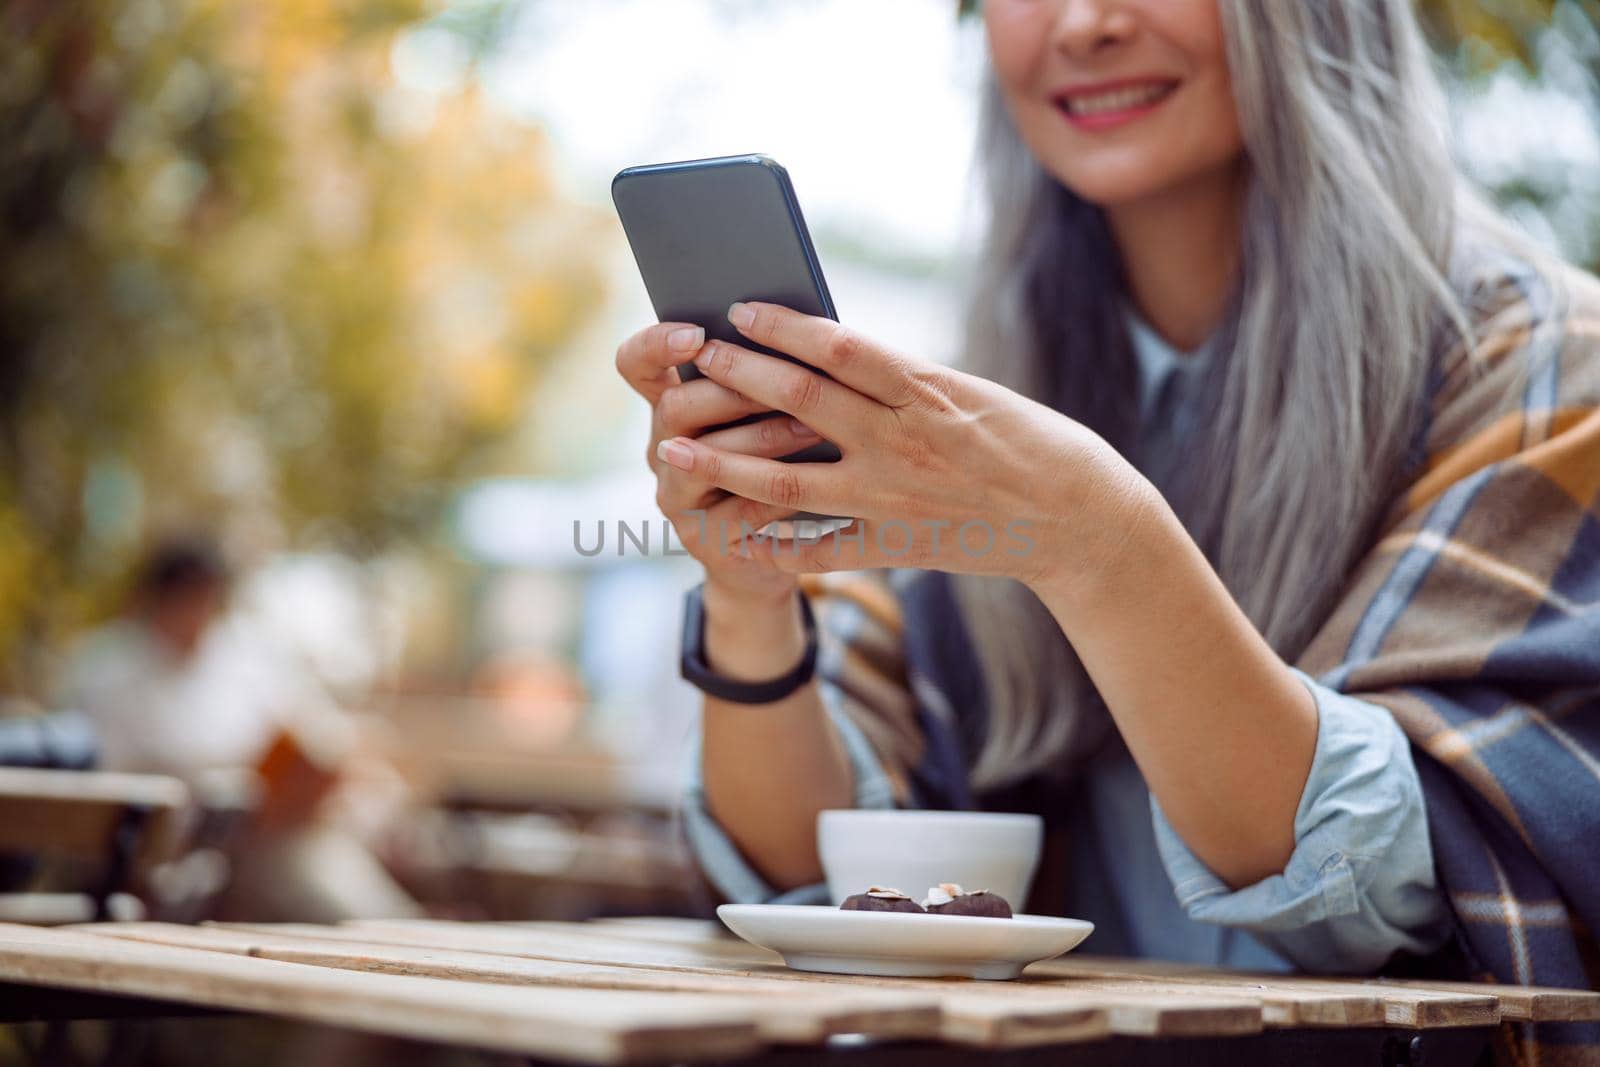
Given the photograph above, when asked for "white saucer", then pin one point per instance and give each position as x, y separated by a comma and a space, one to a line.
814, 937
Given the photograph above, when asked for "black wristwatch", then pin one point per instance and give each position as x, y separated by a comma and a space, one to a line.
702, 677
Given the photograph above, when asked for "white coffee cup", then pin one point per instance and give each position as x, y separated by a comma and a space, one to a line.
913, 850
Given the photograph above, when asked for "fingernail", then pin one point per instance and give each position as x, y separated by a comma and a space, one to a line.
800, 429
686, 339
676, 453
703, 358
741, 315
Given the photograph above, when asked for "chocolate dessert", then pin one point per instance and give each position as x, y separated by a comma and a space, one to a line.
947, 898
878, 898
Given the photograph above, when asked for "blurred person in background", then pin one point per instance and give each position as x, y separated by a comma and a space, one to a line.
176, 686
1298, 659
169, 690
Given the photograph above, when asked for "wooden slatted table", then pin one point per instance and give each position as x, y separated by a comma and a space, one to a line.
78, 812
644, 991
119, 825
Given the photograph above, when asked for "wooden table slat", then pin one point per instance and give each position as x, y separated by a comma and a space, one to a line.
1344, 1007
1355, 1006
583, 1025
967, 1015
808, 1017
1131, 1011
663, 927
1287, 1000
1520, 1002
1413, 1007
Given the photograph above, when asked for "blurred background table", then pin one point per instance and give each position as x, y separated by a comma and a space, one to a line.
513, 827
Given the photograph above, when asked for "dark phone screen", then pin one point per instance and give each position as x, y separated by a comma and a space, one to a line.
709, 232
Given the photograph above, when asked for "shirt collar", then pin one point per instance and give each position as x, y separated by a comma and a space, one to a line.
1157, 359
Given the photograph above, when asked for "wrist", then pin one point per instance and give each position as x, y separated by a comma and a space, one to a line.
752, 636
1121, 524
732, 600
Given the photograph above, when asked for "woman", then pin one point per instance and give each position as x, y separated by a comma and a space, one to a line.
1283, 459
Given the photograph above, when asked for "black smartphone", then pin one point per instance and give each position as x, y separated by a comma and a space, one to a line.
708, 232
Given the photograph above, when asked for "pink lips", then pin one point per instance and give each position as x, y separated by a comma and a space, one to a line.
1106, 105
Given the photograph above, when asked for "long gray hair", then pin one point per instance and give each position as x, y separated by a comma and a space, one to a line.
1311, 406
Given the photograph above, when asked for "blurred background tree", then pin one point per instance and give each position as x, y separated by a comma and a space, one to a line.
1524, 77
250, 281
1487, 33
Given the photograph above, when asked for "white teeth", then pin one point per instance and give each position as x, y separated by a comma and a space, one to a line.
1116, 99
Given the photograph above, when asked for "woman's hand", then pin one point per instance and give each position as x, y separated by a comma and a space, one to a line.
942, 470
707, 520
766, 775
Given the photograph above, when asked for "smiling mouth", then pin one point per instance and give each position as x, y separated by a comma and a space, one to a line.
1119, 100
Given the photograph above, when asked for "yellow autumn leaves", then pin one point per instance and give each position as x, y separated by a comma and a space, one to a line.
259, 281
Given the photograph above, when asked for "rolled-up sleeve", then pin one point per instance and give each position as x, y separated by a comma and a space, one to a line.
1360, 884
720, 859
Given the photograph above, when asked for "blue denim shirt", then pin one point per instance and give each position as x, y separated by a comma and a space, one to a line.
1359, 886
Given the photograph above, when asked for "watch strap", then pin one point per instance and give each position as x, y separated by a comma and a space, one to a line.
699, 674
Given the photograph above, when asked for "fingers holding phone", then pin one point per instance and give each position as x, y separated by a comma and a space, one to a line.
708, 522
649, 359
688, 491
690, 408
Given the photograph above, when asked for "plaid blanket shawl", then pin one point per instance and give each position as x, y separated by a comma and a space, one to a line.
1474, 618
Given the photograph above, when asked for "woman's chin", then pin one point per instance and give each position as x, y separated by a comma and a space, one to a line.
1125, 182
